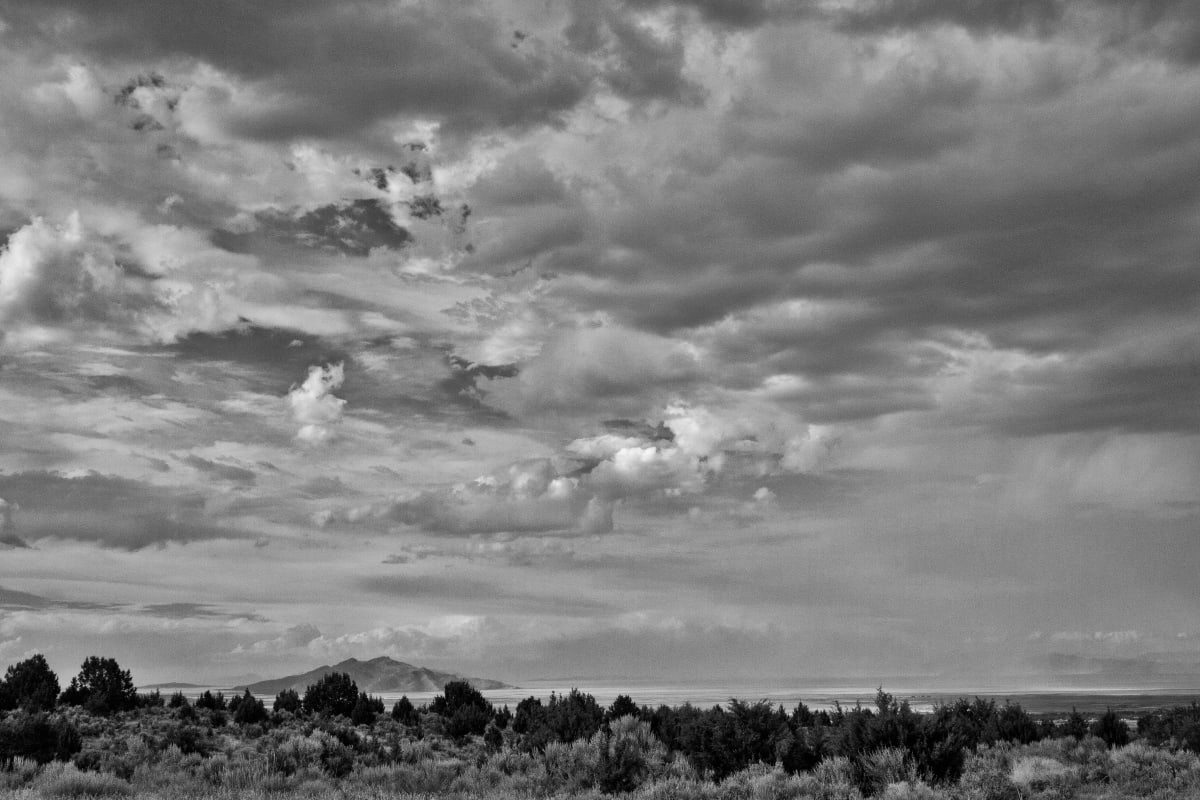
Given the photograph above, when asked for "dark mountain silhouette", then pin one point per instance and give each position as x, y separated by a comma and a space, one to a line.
381, 675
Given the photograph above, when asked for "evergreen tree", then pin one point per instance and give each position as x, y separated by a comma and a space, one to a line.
335, 693
101, 687
30, 685
287, 700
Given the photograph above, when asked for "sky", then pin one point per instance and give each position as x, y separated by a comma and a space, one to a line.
647, 339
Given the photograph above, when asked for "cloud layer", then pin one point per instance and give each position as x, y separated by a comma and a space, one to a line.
783, 336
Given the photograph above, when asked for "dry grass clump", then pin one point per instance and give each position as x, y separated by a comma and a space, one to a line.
66, 782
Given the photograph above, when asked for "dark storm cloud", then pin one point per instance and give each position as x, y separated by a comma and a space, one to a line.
354, 227
110, 511
276, 354
453, 62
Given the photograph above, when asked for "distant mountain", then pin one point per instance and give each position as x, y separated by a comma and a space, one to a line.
381, 675
1145, 665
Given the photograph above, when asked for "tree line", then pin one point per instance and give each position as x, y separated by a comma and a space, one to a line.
717, 741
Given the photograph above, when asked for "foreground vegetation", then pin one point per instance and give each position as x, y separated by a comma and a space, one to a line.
99, 738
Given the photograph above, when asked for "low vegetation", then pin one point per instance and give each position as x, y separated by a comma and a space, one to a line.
99, 738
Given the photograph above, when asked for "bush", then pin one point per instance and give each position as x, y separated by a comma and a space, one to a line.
68, 782
39, 737
630, 756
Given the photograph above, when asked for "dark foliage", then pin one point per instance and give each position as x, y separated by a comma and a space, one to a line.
30, 685
464, 709
334, 694
248, 709
564, 718
177, 701
40, 737
366, 709
405, 713
101, 687
1075, 725
1111, 728
1178, 727
212, 702
622, 706
287, 700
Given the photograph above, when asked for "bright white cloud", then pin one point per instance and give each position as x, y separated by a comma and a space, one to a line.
314, 405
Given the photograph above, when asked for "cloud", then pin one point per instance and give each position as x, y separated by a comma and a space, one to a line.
110, 511
608, 367
219, 471
421, 59
292, 639
314, 405
52, 277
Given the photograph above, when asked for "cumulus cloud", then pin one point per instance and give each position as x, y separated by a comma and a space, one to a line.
54, 277
292, 639
314, 405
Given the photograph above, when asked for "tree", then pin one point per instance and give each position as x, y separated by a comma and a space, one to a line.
1111, 728
622, 706
287, 700
30, 685
213, 702
101, 687
249, 710
1075, 725
366, 708
404, 712
463, 707
335, 693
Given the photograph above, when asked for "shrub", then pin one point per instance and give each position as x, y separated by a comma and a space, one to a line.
1038, 773
68, 783
1140, 770
39, 737
986, 777
631, 755
20, 771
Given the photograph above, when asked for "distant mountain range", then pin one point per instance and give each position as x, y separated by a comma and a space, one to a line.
1146, 665
381, 675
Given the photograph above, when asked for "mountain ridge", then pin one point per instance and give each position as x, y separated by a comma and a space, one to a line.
380, 675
